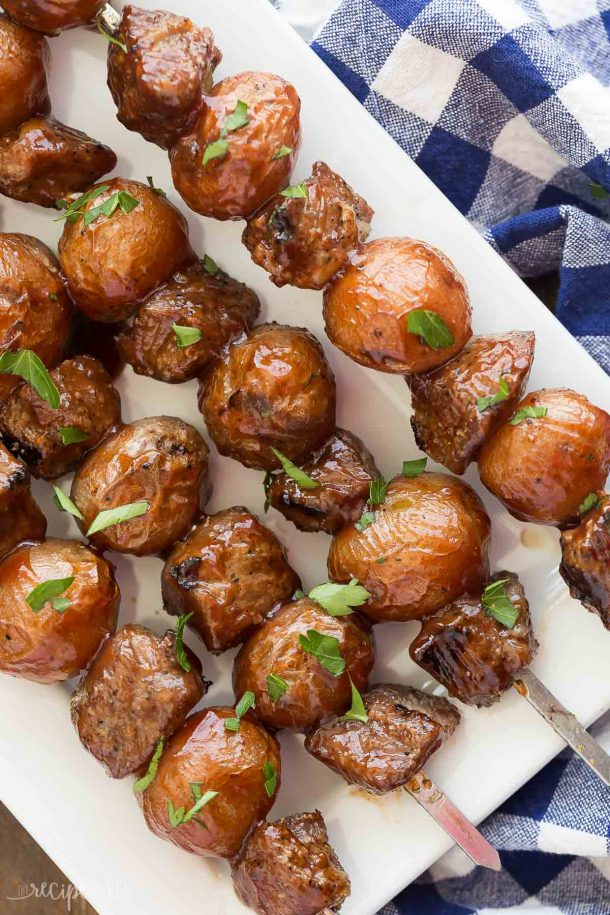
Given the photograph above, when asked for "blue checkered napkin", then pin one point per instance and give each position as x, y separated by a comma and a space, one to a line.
505, 105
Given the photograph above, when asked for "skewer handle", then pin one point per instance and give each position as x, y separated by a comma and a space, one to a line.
564, 723
453, 821
109, 18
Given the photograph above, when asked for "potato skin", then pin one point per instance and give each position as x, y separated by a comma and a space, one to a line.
543, 468
20, 517
366, 306
305, 241
228, 762
273, 388
446, 421
288, 867
238, 183
43, 161
35, 309
48, 646
114, 263
134, 694
473, 655
344, 469
160, 459
30, 427
314, 693
219, 306
230, 571
53, 15
433, 536
23, 75
157, 85
585, 559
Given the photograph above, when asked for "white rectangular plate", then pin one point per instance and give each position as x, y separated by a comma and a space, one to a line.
90, 825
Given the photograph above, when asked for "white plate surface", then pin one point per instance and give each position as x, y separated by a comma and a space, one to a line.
90, 825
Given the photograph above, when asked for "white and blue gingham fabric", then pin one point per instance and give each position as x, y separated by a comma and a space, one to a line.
505, 104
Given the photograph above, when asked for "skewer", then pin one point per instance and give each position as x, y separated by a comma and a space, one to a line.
109, 18
437, 804
564, 723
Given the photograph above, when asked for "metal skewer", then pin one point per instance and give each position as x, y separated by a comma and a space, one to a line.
109, 18
437, 804
564, 723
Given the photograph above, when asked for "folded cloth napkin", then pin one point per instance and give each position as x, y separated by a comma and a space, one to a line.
505, 104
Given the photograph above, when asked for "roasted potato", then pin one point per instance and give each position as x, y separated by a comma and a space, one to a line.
23, 75
43, 161
424, 546
52, 642
115, 262
246, 121
470, 652
35, 310
289, 868
218, 307
53, 16
157, 83
206, 754
542, 467
585, 558
343, 470
229, 572
305, 240
369, 305
271, 389
160, 460
20, 517
456, 407
313, 692
51, 441
134, 694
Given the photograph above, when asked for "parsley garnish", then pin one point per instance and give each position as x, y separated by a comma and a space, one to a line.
378, 490
247, 701
497, 603
414, 468
276, 687
180, 652
339, 600
65, 504
270, 776
296, 191
119, 200
209, 265
111, 516
239, 118
186, 336
147, 779
282, 151
527, 413
358, 710
215, 150
27, 365
294, 472
325, 648
178, 817
50, 591
503, 392
157, 190
430, 327
70, 435
74, 209
589, 503
365, 519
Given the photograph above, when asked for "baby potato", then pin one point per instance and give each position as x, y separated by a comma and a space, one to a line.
271, 389
51, 15
544, 462
20, 517
369, 307
115, 262
23, 75
159, 460
52, 641
458, 405
246, 121
243, 766
35, 310
214, 305
424, 546
312, 691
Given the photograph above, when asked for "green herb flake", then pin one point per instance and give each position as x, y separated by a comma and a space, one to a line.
209, 265
247, 701
503, 392
294, 472
175, 816
270, 776
282, 151
65, 504
157, 190
340, 600
183, 661
381, 560
598, 191
298, 594
27, 365
430, 327
111, 516
378, 490
186, 336
237, 120
326, 649
60, 604
70, 435
200, 803
110, 37
276, 687
297, 191
215, 150
120, 200
589, 503
47, 591
75, 208
497, 603
528, 413
414, 468
358, 710
365, 520
147, 779
53, 296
